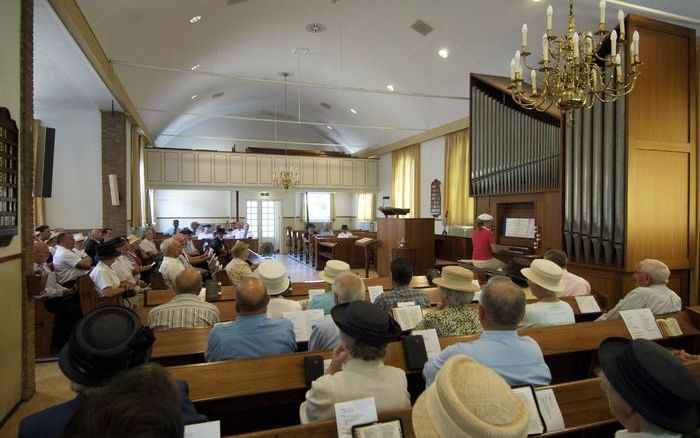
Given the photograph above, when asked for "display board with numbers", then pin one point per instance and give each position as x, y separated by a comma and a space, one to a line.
9, 177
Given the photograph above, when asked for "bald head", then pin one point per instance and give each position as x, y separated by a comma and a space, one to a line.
41, 252
348, 287
188, 282
251, 296
180, 238
502, 304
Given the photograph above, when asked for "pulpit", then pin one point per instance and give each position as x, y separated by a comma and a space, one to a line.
418, 243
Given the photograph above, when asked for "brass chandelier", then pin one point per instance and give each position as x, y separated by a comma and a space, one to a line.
574, 73
285, 177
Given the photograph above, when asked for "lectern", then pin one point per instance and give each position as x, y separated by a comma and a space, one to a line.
419, 247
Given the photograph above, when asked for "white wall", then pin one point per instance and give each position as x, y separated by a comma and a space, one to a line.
385, 178
76, 198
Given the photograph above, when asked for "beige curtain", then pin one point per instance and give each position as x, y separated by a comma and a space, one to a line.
136, 218
459, 206
405, 187
365, 207
332, 208
39, 218
302, 215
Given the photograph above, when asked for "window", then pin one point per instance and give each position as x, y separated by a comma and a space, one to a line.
264, 218
365, 207
319, 205
251, 215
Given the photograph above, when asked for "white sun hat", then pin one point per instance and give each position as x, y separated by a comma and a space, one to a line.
333, 268
546, 274
274, 276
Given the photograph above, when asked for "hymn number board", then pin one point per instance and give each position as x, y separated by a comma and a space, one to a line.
9, 177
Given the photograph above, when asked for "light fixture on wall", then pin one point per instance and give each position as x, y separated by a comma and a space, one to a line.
574, 74
114, 189
285, 177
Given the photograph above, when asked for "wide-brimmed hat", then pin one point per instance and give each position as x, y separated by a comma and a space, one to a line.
106, 251
117, 241
132, 238
238, 248
333, 268
545, 273
104, 343
54, 234
485, 217
79, 237
366, 322
653, 382
468, 399
457, 278
274, 276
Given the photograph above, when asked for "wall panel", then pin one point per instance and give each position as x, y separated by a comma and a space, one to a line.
154, 166
187, 167
334, 177
347, 172
220, 168
265, 163
372, 173
204, 173
307, 171
236, 169
171, 165
251, 169
322, 171
360, 173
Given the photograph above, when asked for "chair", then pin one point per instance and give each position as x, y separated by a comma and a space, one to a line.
222, 278
43, 319
157, 281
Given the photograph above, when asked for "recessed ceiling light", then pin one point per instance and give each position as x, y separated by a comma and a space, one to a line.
537, 1
444, 53
195, 19
194, 96
390, 87
353, 110
194, 67
329, 127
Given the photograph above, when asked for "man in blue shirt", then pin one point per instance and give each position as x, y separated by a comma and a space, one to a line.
252, 334
401, 274
518, 359
326, 301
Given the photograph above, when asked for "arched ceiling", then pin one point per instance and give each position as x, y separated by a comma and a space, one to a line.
367, 44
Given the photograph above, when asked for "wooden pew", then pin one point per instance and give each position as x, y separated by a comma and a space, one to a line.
301, 288
43, 319
157, 297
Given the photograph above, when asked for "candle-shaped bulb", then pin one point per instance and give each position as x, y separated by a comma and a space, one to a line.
575, 43
512, 69
635, 42
621, 22
545, 48
613, 43
618, 68
533, 79
524, 33
589, 43
550, 12
594, 79
602, 11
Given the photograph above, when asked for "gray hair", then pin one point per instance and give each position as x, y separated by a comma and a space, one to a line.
455, 298
657, 270
503, 301
348, 287
168, 246
614, 398
361, 350
557, 256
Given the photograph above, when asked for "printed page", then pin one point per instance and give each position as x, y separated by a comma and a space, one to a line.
587, 304
406, 304
549, 408
303, 321
315, 292
641, 324
408, 317
432, 343
350, 413
210, 429
374, 292
534, 425
390, 429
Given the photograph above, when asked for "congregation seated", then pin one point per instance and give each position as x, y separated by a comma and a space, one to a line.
326, 231
344, 232
42, 233
518, 359
456, 317
174, 229
347, 287
205, 232
274, 276
105, 343
401, 274
252, 333
573, 284
94, 239
124, 268
52, 242
125, 407
185, 310
309, 230
240, 232
171, 266
189, 255
357, 369
651, 292
469, 399
326, 301
79, 248
67, 264
216, 243
133, 255
186, 260
104, 277
650, 392
147, 247
545, 281
238, 268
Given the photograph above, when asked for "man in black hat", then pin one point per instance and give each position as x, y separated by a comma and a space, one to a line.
105, 343
357, 368
649, 391
106, 280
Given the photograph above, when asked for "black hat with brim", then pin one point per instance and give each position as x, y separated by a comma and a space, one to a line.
366, 322
116, 241
106, 251
653, 382
104, 343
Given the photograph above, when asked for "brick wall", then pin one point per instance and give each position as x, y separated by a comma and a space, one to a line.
114, 163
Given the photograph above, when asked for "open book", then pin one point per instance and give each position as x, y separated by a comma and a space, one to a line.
408, 317
303, 321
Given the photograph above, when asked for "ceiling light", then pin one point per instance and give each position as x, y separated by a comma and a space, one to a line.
537, 1
195, 19
194, 67
194, 96
329, 127
444, 53
390, 87
353, 110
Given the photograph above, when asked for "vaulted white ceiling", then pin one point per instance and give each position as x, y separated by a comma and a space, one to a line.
367, 44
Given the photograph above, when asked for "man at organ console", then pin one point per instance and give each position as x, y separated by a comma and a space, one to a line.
484, 244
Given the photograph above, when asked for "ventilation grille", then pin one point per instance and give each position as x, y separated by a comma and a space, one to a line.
315, 27
326, 105
234, 2
422, 27
219, 94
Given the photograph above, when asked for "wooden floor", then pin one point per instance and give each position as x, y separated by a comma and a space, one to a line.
53, 387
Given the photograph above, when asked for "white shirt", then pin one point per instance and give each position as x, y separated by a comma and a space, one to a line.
242, 234
204, 236
52, 289
123, 268
64, 262
656, 297
170, 268
277, 306
52, 250
103, 276
344, 234
574, 285
147, 246
545, 314
80, 252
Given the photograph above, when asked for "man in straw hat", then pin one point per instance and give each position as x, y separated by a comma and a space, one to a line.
252, 333
649, 391
456, 318
276, 280
357, 368
469, 400
518, 359
545, 281
79, 247
326, 301
238, 268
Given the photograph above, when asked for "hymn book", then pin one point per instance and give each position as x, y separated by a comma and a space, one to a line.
353, 412
641, 324
587, 304
407, 317
303, 321
669, 327
374, 292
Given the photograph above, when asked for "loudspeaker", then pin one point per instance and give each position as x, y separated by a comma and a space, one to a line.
43, 169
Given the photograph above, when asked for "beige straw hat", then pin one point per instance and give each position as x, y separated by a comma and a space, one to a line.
546, 274
79, 237
457, 278
468, 399
131, 238
333, 268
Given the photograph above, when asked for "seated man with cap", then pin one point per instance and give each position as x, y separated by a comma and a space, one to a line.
347, 287
649, 391
652, 292
104, 277
147, 247
469, 399
276, 280
518, 359
171, 266
401, 275
67, 264
105, 343
573, 284
344, 232
545, 281
357, 367
185, 310
329, 273
455, 318
52, 241
252, 333
79, 247
124, 268
238, 267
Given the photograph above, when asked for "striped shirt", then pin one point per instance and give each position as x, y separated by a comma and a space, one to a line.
400, 294
183, 311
